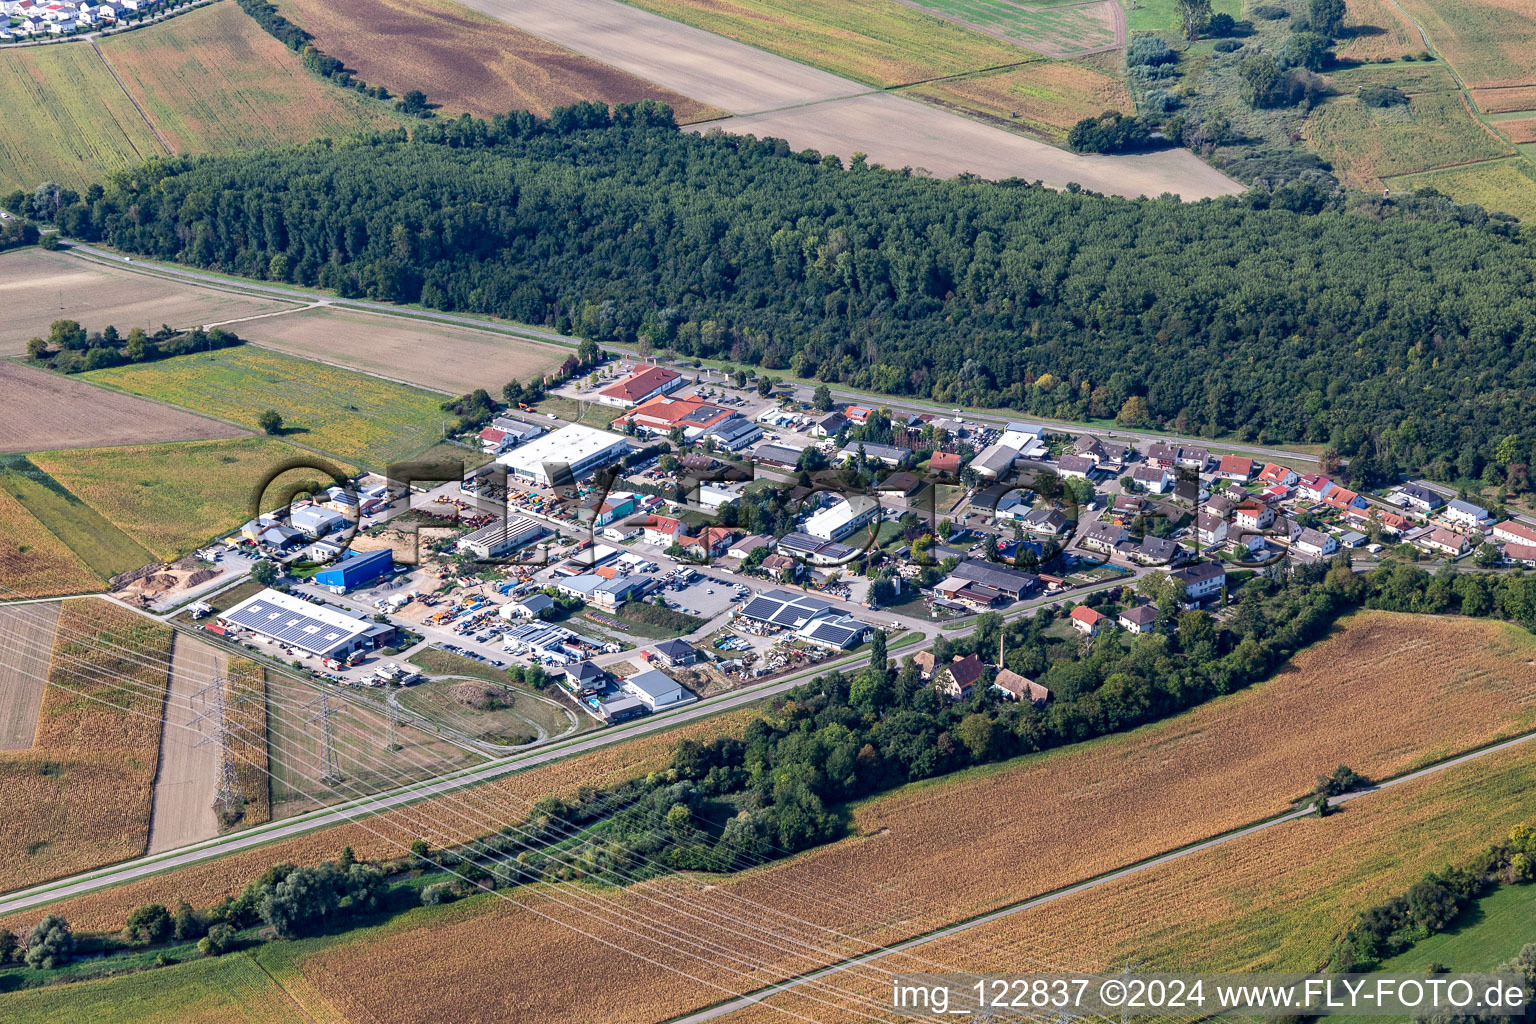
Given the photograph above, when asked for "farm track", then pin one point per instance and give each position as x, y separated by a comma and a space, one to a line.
182, 811
136, 105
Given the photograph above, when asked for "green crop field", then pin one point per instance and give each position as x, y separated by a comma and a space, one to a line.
879, 41
1506, 185
1491, 43
206, 991
214, 82
65, 119
1046, 28
348, 415
103, 547
171, 498
1163, 15
1366, 144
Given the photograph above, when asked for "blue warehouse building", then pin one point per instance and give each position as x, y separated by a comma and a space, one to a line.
356, 570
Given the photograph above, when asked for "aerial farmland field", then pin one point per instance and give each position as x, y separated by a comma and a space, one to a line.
1375, 29
349, 415
1047, 96
66, 120
1057, 29
34, 562
106, 549
28, 630
172, 498
430, 355
1490, 43
38, 287
882, 42
49, 410
469, 62
213, 81
1091, 808
80, 796
1435, 129
1274, 901
451, 819
1507, 185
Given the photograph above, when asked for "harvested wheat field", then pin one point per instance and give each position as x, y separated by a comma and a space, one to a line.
454, 818
1375, 29
26, 637
1520, 130
45, 410
1047, 96
427, 355
1386, 693
468, 62
189, 766
80, 797
214, 81
38, 287
1269, 902
34, 562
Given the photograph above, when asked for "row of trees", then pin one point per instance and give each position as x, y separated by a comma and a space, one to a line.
1059, 305
69, 348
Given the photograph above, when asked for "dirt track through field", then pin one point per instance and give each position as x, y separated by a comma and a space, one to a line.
188, 775
899, 132
45, 411
776, 96
26, 638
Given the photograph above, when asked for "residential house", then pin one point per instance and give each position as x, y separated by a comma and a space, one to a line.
1419, 497
1046, 522
1086, 620
711, 542
1520, 554
1139, 619
1313, 487
1193, 458
746, 545
1274, 473
1201, 580
676, 653
1343, 498
1099, 450
1235, 467
944, 462
1219, 505
958, 679
1315, 542
1443, 541
1254, 515
1210, 529
1076, 466
1102, 537
1162, 456
1191, 492
1020, 688
829, 425
1512, 532
1155, 551
1153, 478
1465, 513
782, 568
663, 531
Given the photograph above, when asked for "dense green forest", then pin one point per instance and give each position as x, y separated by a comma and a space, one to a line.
1407, 326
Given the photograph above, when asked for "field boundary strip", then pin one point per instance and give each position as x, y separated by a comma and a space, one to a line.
154, 129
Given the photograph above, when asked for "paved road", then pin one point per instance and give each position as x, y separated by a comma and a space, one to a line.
1092, 883
352, 810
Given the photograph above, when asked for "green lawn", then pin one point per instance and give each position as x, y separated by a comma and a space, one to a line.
352, 416
1489, 933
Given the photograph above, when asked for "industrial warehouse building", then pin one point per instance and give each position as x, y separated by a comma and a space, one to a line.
838, 521
501, 538
317, 629
355, 570
580, 449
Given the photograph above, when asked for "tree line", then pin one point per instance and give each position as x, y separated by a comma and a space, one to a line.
1277, 316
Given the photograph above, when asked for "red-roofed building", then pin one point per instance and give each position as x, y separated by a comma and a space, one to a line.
857, 413
1254, 515
944, 462
1525, 554
659, 415
1512, 532
1273, 473
1313, 487
957, 679
1343, 498
641, 386
494, 441
1235, 467
1086, 620
712, 542
663, 530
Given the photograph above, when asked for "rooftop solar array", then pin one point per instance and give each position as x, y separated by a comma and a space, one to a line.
295, 627
782, 608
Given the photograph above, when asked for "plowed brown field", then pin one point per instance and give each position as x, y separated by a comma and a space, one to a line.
1388, 693
466, 61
